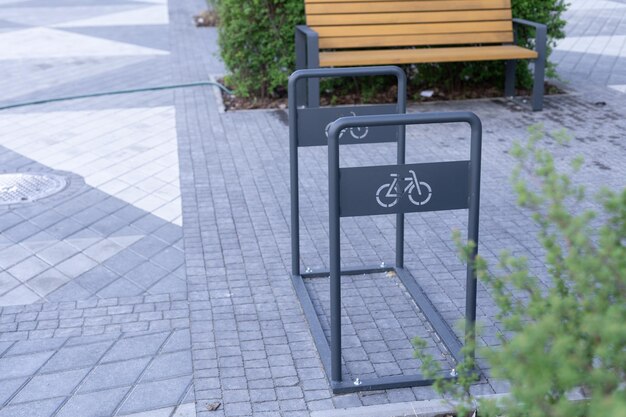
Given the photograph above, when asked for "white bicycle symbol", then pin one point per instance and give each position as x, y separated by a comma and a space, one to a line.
355, 132
390, 197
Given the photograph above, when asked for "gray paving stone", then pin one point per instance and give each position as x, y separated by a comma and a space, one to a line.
102, 250
135, 347
68, 292
180, 340
73, 357
34, 346
108, 225
120, 287
7, 282
43, 408
8, 387
169, 365
97, 278
114, 374
169, 259
50, 386
146, 274
57, 253
95, 404
20, 232
28, 268
64, 228
22, 365
123, 262
156, 394
4, 346
12, 255
47, 281
148, 246
76, 265
168, 284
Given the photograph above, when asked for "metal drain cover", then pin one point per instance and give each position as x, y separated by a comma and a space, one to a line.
23, 188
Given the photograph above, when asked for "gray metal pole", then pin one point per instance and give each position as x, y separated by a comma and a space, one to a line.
335, 255
474, 208
293, 178
401, 161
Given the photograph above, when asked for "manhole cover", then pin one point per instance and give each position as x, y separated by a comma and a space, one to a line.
23, 188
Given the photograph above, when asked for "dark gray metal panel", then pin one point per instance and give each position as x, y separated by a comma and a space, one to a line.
313, 125
388, 189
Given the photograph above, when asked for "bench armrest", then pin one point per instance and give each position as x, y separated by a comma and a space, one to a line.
307, 56
306, 31
307, 47
541, 34
525, 22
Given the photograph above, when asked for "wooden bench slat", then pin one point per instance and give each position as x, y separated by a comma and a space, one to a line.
364, 6
417, 17
425, 55
415, 40
413, 29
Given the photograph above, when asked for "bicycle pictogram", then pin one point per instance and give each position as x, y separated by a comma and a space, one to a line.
355, 132
390, 197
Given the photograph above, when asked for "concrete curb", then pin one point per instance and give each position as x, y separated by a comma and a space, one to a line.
217, 93
427, 408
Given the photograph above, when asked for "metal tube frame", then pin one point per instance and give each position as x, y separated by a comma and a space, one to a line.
430, 312
330, 353
294, 90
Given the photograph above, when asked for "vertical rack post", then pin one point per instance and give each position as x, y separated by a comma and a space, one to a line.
335, 254
293, 179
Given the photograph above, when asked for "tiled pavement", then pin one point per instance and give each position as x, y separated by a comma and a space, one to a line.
595, 47
93, 296
113, 315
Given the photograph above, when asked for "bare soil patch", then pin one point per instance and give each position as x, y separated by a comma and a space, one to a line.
351, 96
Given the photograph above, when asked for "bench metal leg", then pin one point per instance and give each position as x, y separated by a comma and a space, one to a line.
300, 64
509, 80
313, 61
307, 56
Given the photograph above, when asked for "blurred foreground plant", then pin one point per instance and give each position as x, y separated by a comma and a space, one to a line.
567, 331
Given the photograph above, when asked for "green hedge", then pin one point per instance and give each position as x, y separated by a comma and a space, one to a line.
257, 44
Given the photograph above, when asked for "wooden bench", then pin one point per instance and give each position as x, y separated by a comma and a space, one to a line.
341, 33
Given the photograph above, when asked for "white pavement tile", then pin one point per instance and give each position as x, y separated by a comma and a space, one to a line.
131, 154
19, 296
152, 1
55, 14
7, 283
601, 45
595, 5
37, 43
620, 88
153, 15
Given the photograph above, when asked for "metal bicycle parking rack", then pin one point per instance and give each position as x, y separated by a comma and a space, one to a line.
429, 187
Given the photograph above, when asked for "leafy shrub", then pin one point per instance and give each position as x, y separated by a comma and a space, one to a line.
570, 335
256, 38
457, 75
257, 44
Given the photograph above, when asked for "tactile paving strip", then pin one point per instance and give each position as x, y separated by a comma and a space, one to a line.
26, 187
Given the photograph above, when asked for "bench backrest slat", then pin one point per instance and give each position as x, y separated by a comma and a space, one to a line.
382, 23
